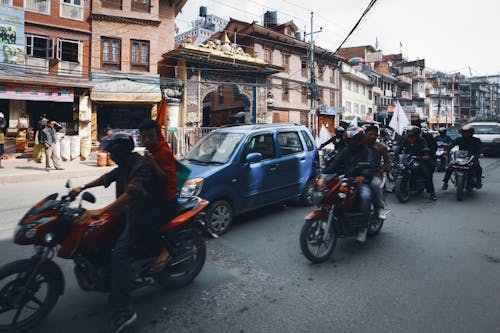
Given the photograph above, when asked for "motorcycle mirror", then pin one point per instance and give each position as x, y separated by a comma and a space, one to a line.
68, 184
88, 197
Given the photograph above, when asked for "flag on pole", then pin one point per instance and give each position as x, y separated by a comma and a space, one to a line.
160, 116
354, 122
399, 119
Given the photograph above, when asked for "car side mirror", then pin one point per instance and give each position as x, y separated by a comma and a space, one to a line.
253, 158
88, 197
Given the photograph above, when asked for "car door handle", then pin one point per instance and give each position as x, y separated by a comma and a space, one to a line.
303, 159
273, 167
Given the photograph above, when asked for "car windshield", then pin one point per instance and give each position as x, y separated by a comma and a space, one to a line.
216, 148
487, 129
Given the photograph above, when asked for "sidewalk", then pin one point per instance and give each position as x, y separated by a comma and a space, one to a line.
22, 170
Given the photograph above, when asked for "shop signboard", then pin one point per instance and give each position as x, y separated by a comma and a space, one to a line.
12, 38
37, 93
373, 56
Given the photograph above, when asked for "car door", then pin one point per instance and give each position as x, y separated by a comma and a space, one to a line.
258, 181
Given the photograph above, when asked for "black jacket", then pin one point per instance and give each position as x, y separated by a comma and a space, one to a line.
347, 162
472, 144
431, 142
416, 148
339, 143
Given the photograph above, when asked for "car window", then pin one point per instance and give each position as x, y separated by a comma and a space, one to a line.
290, 143
486, 129
216, 147
261, 143
309, 143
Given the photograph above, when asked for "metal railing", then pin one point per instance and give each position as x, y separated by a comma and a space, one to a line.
181, 139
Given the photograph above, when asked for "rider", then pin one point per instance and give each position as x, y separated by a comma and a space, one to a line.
382, 163
347, 161
161, 159
134, 185
443, 136
338, 139
472, 144
415, 145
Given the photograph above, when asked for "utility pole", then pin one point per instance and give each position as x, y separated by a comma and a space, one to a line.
313, 88
439, 100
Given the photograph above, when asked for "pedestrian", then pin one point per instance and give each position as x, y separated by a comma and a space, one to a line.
2, 137
39, 148
49, 140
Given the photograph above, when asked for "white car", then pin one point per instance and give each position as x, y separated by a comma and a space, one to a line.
489, 133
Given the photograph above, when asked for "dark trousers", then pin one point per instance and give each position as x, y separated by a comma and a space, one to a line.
121, 273
153, 219
427, 169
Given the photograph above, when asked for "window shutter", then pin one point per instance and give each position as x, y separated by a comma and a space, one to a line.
50, 48
80, 52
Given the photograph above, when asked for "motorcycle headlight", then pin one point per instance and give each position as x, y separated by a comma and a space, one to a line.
192, 187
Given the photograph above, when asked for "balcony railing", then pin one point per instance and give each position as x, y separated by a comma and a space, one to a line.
37, 65
70, 68
39, 6
71, 11
404, 95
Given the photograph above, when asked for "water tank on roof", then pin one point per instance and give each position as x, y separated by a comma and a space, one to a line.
298, 35
270, 19
203, 11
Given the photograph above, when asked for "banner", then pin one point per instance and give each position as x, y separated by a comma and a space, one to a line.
12, 39
37, 93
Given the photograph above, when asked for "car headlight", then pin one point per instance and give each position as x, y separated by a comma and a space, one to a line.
192, 187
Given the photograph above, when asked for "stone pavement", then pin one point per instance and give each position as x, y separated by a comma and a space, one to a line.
21, 170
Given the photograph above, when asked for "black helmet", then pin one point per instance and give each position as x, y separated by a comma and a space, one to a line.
339, 129
119, 145
442, 130
414, 130
355, 134
467, 128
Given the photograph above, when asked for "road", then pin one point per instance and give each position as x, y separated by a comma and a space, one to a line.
435, 267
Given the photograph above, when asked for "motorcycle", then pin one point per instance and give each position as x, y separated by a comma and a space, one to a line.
464, 177
441, 156
409, 181
391, 174
336, 216
30, 288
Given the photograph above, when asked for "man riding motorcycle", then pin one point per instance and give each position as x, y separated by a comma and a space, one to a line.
338, 139
380, 153
443, 136
134, 188
472, 144
414, 144
348, 161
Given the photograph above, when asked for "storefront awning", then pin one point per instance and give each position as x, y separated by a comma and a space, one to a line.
128, 89
126, 97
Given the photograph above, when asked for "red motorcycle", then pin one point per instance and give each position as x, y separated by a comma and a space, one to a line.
30, 288
337, 215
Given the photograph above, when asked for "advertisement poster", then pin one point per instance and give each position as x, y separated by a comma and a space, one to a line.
12, 38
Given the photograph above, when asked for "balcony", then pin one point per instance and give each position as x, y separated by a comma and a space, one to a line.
70, 11
37, 6
419, 95
67, 68
404, 95
38, 65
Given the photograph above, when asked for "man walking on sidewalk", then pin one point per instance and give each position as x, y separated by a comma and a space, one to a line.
49, 140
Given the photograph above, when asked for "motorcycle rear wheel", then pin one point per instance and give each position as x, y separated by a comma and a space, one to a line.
402, 189
182, 274
38, 306
311, 240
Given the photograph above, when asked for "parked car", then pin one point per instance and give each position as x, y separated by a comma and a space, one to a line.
489, 133
453, 132
245, 167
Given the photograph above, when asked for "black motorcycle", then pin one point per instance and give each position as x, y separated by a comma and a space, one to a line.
410, 179
441, 155
464, 175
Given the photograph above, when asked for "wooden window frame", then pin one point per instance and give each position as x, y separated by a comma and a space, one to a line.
111, 62
285, 92
304, 94
304, 69
140, 64
49, 51
138, 6
286, 62
267, 59
112, 4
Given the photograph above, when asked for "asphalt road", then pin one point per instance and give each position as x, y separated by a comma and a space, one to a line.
435, 267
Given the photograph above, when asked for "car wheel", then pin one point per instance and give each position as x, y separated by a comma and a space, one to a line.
306, 197
220, 216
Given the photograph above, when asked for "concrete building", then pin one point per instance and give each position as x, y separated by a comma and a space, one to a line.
356, 94
202, 28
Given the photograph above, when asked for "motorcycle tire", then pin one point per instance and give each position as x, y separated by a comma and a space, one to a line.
402, 189
306, 197
459, 182
180, 275
20, 270
312, 232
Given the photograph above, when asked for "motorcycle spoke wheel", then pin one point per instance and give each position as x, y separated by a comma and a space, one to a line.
316, 245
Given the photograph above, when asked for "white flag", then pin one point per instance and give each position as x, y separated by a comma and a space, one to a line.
324, 135
399, 119
354, 122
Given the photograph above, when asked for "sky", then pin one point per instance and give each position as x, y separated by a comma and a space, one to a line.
451, 35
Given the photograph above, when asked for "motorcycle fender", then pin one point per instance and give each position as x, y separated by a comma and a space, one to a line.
52, 268
317, 214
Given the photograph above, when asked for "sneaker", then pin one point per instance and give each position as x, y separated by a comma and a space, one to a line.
433, 197
361, 237
122, 320
382, 213
445, 186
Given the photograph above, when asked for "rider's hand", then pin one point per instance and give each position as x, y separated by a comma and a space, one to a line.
359, 179
75, 191
89, 214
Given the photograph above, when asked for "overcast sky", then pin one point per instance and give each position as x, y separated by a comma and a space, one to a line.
451, 35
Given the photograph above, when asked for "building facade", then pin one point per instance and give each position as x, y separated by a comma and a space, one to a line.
357, 95
202, 28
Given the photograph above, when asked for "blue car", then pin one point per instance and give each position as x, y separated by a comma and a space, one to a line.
242, 168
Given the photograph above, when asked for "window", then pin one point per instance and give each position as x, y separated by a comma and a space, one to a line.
356, 88
114, 4
347, 84
111, 51
141, 5
363, 90
321, 72
285, 92
332, 78
309, 143
286, 62
370, 94
40, 47
332, 97
304, 94
303, 65
38, 6
6, 2
320, 95
268, 56
363, 110
348, 107
68, 50
72, 9
290, 143
140, 53
263, 143
356, 108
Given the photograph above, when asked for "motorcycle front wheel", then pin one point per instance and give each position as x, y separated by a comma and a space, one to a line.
24, 304
315, 245
179, 275
459, 181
